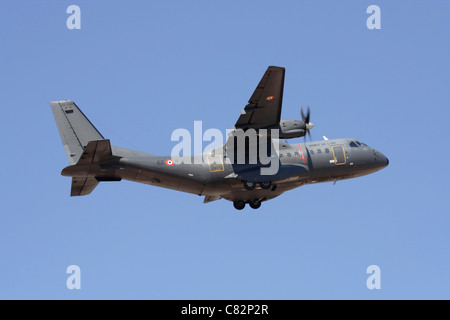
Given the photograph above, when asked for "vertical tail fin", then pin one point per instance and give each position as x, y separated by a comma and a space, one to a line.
74, 128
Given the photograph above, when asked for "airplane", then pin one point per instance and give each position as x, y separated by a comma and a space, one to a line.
93, 160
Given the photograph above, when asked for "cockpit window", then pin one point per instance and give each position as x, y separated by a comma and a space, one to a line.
356, 144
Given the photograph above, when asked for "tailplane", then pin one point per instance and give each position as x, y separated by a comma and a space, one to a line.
89, 154
91, 168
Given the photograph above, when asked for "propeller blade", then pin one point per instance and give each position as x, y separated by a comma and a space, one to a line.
308, 114
305, 119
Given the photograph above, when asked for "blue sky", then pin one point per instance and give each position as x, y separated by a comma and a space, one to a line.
140, 69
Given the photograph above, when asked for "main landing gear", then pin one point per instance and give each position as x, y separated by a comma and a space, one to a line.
239, 205
250, 185
254, 204
265, 184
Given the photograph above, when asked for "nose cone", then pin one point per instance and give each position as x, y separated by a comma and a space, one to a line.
381, 159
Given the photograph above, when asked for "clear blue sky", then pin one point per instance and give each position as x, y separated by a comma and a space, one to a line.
140, 69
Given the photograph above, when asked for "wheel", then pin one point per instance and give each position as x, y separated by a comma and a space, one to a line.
249, 185
239, 204
255, 204
265, 184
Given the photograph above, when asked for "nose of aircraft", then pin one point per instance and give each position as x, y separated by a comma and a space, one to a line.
381, 159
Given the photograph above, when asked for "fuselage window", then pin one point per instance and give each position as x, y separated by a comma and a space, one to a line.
297, 154
353, 144
327, 150
311, 151
319, 151
281, 155
289, 155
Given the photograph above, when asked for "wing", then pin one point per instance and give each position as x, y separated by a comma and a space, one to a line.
264, 107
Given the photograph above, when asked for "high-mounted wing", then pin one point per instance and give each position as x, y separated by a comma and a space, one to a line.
264, 107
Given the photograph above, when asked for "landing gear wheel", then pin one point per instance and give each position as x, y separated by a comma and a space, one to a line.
239, 205
249, 185
265, 184
255, 204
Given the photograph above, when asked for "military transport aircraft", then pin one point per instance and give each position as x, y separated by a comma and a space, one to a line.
93, 160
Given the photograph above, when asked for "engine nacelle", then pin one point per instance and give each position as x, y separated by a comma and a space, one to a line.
292, 129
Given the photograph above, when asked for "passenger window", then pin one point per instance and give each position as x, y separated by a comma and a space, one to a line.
319, 151
289, 155
311, 151
281, 155
297, 154
327, 150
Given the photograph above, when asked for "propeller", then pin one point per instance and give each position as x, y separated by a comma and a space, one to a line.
305, 118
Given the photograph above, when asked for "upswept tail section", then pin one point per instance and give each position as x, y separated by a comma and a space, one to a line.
93, 167
85, 147
85, 174
74, 128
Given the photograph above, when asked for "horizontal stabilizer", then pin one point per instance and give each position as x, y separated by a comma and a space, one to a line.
96, 151
82, 186
84, 178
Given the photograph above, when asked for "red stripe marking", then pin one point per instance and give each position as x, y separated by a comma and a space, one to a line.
301, 150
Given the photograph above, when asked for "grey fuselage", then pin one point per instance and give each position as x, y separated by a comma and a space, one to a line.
299, 164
